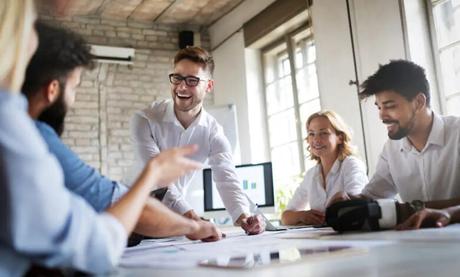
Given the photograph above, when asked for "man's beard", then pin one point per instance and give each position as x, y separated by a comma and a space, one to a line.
55, 115
402, 131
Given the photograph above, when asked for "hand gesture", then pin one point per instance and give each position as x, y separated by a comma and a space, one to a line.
253, 225
170, 165
425, 218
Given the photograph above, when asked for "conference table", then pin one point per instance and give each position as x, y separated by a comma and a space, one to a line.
306, 252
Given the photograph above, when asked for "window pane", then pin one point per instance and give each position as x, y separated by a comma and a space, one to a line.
309, 163
311, 52
279, 95
307, 83
450, 69
282, 128
282, 109
305, 111
446, 17
452, 105
283, 65
273, 62
285, 161
299, 58
269, 69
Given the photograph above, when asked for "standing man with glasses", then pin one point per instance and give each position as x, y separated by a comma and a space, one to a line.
181, 121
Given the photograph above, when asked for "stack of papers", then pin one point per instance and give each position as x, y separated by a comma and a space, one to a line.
180, 252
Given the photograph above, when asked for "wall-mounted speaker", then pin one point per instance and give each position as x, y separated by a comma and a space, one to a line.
185, 39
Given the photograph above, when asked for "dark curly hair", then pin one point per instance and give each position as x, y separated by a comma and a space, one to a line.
59, 52
403, 77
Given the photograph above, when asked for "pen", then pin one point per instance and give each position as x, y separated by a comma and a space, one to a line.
255, 208
268, 225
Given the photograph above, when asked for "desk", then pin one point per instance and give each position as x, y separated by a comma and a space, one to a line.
431, 252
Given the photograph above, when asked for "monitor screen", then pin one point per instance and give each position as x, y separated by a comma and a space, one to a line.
256, 180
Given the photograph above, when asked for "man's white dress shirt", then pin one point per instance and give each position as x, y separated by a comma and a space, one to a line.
156, 128
431, 174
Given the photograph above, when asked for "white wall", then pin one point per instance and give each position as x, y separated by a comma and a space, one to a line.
378, 31
234, 20
257, 122
334, 61
230, 86
378, 37
238, 80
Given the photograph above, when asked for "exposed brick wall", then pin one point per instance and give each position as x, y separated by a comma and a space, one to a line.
97, 127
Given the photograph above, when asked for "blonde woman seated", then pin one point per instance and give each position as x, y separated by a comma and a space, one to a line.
337, 170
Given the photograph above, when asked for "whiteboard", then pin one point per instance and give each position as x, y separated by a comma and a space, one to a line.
226, 117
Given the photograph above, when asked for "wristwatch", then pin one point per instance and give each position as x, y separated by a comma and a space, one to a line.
417, 205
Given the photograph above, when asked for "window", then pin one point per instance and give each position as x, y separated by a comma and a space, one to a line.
291, 94
446, 35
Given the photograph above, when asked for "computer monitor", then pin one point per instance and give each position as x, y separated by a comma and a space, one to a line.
256, 181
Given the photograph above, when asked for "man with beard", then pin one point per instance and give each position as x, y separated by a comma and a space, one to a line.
421, 159
182, 121
52, 76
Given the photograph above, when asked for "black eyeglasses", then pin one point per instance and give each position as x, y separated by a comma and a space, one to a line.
190, 81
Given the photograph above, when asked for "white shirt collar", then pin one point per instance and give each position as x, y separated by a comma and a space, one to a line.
436, 136
170, 116
334, 170
335, 167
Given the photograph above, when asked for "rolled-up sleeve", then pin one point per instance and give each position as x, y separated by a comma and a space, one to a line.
224, 175
119, 190
79, 177
144, 143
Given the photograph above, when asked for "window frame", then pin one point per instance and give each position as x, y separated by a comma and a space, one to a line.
288, 40
436, 53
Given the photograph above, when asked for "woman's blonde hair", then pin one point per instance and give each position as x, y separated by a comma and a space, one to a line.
16, 21
341, 129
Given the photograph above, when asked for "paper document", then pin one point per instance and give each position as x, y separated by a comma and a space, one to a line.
183, 253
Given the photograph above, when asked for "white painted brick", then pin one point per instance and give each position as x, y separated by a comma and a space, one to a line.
115, 23
97, 128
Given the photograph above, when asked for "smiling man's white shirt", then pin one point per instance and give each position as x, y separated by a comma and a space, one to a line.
431, 174
156, 129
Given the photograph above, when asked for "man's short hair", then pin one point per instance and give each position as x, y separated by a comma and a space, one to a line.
59, 52
197, 55
403, 77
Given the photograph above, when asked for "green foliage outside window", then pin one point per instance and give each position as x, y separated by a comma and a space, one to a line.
285, 191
